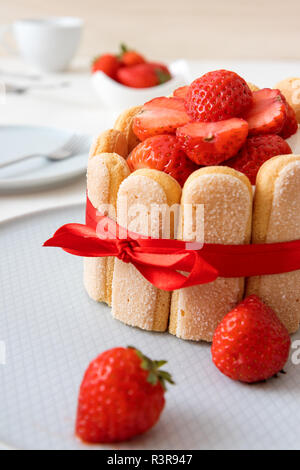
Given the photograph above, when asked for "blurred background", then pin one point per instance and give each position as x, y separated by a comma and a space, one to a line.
168, 29
42, 106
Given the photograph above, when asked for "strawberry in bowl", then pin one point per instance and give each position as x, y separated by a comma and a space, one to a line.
128, 78
131, 69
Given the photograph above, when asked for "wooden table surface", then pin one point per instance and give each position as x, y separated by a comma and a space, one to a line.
194, 29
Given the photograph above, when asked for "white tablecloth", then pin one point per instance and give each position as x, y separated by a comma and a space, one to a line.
78, 107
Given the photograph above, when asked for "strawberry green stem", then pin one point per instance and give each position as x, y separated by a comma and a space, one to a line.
155, 374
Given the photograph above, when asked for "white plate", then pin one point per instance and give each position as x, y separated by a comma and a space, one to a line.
38, 172
52, 331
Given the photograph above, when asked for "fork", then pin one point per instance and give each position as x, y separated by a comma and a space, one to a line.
21, 89
73, 146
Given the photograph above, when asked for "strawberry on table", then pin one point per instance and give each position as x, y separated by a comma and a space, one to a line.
129, 57
121, 396
267, 114
160, 116
257, 150
162, 152
210, 143
251, 344
217, 96
107, 63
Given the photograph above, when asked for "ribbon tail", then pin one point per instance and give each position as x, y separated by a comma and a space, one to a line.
81, 240
162, 278
169, 279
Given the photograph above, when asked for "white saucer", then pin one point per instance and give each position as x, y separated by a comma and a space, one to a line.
36, 173
52, 330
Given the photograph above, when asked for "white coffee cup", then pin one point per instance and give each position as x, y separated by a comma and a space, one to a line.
47, 43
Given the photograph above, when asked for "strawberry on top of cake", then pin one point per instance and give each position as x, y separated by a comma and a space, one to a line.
217, 120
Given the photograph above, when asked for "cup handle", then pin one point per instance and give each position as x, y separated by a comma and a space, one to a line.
4, 30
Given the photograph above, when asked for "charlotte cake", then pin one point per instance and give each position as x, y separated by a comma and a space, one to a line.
171, 135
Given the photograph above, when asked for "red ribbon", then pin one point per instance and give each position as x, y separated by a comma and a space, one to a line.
159, 260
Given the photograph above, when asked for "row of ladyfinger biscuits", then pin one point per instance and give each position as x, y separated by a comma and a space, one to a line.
227, 196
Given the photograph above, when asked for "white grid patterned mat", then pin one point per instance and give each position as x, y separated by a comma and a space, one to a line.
52, 330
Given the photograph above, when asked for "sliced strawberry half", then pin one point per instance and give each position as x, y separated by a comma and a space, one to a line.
181, 92
267, 114
290, 126
162, 152
210, 143
160, 116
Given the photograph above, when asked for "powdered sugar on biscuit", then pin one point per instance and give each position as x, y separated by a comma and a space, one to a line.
196, 311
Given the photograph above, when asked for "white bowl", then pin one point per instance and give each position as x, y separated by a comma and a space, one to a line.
117, 96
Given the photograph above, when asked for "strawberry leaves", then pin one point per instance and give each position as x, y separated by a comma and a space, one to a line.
155, 374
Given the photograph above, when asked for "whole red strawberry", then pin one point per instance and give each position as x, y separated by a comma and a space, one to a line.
251, 344
163, 153
217, 96
267, 114
160, 116
141, 76
129, 57
137, 76
107, 63
256, 151
121, 396
161, 70
210, 143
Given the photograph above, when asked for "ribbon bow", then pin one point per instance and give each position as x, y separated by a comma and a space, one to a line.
125, 248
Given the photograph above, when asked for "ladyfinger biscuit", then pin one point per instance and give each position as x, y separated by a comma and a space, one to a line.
110, 141
227, 198
124, 125
276, 218
252, 86
135, 301
105, 173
